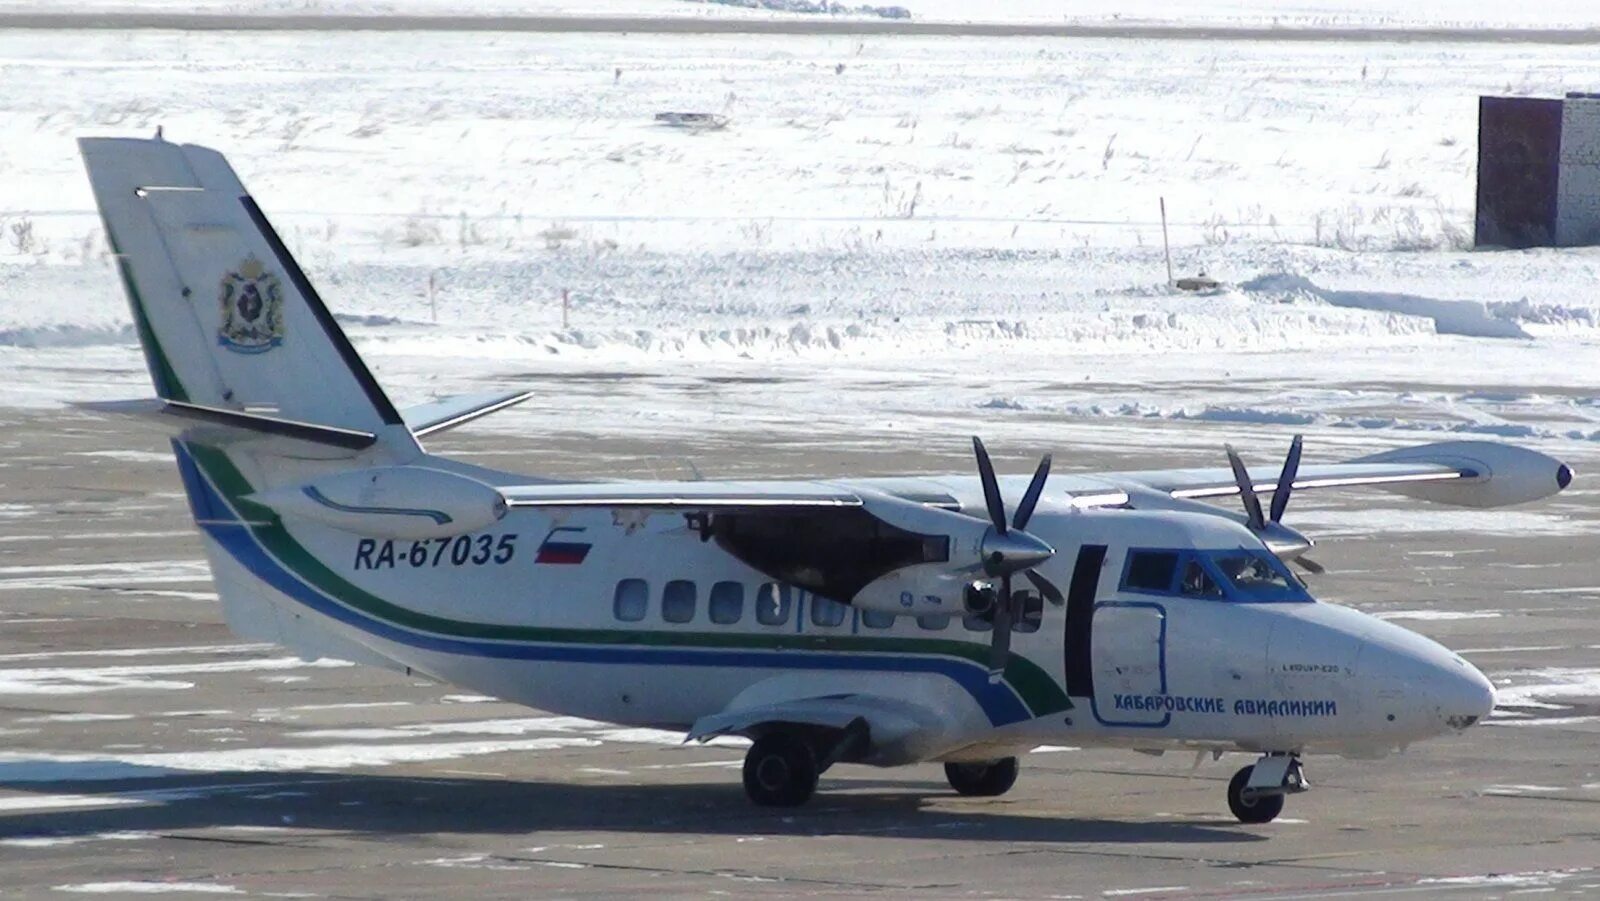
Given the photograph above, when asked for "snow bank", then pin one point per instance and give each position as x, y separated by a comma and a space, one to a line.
1450, 317
1423, 415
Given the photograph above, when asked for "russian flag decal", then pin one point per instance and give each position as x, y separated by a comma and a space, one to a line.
559, 548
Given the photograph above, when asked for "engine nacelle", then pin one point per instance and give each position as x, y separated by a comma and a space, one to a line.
965, 533
916, 591
407, 502
935, 586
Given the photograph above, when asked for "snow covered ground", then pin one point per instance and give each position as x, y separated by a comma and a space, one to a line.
1287, 14
935, 229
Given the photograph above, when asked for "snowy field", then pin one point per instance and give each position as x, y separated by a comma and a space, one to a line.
1353, 14
895, 235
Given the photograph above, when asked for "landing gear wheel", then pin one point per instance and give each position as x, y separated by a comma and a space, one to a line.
780, 770
982, 780
1251, 808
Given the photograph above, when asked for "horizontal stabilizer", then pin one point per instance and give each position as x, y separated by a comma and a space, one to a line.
258, 423
449, 412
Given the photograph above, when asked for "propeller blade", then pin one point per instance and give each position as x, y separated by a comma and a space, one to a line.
1030, 498
991, 487
1280, 494
1047, 589
1247, 491
1309, 565
1000, 650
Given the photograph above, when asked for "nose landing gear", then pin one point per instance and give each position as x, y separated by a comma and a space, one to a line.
1256, 793
982, 780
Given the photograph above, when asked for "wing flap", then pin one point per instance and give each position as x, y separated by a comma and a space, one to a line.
725, 496
1336, 475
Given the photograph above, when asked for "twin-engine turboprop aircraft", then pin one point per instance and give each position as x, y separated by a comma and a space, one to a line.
880, 621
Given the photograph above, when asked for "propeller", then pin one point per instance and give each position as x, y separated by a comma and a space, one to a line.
1283, 541
1009, 549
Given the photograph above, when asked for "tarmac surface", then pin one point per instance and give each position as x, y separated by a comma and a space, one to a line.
145, 749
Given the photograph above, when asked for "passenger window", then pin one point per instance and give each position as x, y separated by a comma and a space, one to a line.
631, 601
1151, 570
827, 613
933, 622
976, 623
727, 603
772, 604
677, 601
1197, 582
877, 619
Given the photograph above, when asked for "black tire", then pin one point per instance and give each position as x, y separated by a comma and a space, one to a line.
1256, 809
982, 780
780, 770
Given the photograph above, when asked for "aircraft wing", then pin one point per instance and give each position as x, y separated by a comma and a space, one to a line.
1460, 473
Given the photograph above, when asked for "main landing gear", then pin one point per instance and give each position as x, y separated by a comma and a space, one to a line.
1256, 793
982, 780
783, 763
780, 770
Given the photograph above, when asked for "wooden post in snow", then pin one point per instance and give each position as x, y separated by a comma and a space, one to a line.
1166, 248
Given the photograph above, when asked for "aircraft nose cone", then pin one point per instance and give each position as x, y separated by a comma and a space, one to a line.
1419, 687
1464, 695
1012, 552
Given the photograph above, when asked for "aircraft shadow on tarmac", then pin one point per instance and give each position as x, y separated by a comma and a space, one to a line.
170, 801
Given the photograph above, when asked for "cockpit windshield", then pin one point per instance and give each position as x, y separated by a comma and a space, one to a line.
1252, 575
1243, 574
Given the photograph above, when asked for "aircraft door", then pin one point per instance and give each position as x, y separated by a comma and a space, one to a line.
1129, 654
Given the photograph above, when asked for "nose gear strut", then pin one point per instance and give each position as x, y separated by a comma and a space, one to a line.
1256, 793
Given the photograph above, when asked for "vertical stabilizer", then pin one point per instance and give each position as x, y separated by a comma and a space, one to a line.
226, 317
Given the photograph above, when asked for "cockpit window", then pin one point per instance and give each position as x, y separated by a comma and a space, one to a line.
1197, 581
1255, 577
1150, 570
1241, 574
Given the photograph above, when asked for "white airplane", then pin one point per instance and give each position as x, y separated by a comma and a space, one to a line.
881, 621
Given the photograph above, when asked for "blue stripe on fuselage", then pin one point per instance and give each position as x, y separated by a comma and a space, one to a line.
999, 702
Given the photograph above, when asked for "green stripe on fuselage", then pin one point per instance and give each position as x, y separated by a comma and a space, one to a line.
1041, 694
168, 387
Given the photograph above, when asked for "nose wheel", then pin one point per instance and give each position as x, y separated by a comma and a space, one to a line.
1256, 793
982, 780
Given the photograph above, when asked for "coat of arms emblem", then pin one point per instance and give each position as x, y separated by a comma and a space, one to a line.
252, 309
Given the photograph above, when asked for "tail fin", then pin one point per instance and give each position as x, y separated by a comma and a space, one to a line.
226, 317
